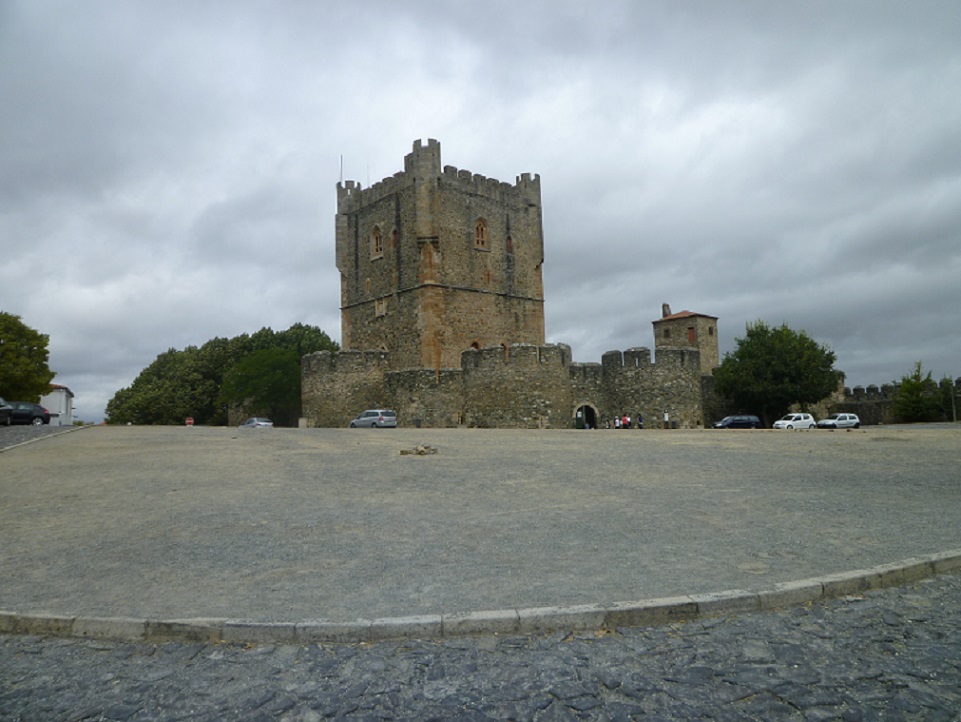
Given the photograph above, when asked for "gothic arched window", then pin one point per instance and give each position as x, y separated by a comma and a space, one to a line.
481, 239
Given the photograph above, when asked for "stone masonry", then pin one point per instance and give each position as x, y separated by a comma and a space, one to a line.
442, 315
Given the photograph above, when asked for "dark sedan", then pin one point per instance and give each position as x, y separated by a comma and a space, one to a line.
25, 412
739, 421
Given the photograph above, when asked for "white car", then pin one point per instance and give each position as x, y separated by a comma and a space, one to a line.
840, 421
257, 422
795, 421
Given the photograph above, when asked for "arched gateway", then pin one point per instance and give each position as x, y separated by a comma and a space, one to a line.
585, 416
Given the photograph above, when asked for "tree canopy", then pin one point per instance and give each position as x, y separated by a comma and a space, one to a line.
266, 383
190, 382
918, 397
774, 368
24, 374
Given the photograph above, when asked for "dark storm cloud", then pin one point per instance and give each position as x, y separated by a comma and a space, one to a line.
167, 170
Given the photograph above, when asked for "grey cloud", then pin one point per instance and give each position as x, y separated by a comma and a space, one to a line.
167, 169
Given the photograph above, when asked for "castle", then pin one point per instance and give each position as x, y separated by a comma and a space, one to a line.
442, 317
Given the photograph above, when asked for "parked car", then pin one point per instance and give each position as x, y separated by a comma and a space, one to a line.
376, 419
27, 412
5, 412
257, 422
840, 421
739, 421
795, 421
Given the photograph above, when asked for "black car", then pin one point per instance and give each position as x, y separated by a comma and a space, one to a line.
739, 421
26, 412
5, 412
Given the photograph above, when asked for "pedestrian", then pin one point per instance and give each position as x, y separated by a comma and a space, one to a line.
640, 421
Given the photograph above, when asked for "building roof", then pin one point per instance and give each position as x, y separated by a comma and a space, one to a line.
58, 387
683, 314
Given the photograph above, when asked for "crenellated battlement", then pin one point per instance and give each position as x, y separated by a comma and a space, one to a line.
424, 163
640, 358
890, 390
517, 354
351, 197
526, 190
885, 391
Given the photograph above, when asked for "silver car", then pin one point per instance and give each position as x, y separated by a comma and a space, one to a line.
375, 419
257, 422
840, 421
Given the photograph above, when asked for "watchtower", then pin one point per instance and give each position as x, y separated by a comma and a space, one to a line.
686, 329
433, 262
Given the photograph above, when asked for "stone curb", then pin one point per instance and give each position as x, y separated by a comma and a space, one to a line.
648, 612
66, 430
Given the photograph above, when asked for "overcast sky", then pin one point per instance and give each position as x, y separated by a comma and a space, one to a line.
168, 169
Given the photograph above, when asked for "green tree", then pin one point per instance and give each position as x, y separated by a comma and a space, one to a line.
186, 383
773, 368
917, 397
266, 383
24, 374
159, 394
949, 398
305, 339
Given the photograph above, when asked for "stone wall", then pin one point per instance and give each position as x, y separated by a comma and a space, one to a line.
632, 383
515, 386
519, 386
874, 404
336, 387
427, 398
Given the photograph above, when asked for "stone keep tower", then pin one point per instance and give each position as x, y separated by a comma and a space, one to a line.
435, 262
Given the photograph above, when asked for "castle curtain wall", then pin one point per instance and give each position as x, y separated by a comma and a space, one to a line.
521, 386
336, 387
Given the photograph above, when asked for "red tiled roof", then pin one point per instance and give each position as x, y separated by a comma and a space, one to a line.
684, 314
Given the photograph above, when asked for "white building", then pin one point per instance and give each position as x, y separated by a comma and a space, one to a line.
59, 402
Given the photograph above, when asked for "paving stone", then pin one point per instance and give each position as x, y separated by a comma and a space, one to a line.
889, 652
830, 661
